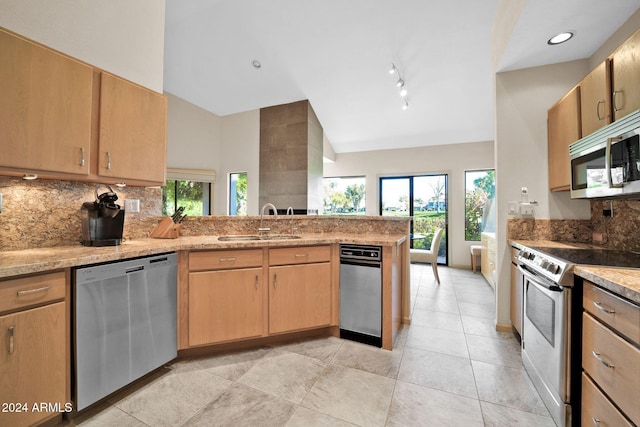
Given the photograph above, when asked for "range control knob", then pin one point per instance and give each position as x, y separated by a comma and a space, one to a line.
545, 265
553, 268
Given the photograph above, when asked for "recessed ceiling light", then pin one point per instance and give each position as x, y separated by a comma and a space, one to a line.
256, 64
560, 38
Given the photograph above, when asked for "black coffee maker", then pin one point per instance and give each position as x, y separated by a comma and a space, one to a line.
102, 220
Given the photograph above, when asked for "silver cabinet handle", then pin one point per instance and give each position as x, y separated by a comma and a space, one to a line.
231, 259
596, 421
11, 339
256, 282
598, 110
601, 307
108, 160
81, 156
601, 360
275, 281
33, 291
615, 97
301, 255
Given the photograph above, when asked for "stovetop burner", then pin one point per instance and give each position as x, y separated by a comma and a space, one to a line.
601, 257
557, 264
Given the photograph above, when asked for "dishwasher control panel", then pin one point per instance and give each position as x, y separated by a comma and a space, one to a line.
361, 252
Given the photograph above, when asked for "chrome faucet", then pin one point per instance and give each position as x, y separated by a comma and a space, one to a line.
275, 211
290, 212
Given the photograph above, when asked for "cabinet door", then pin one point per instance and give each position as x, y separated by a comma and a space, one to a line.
225, 305
133, 122
626, 77
45, 108
563, 127
33, 362
299, 297
595, 95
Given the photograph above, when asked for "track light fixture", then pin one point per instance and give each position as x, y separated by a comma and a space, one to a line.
400, 83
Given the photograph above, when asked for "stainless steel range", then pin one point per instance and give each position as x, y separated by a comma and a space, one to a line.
551, 321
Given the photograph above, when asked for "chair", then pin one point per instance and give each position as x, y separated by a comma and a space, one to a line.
475, 250
431, 255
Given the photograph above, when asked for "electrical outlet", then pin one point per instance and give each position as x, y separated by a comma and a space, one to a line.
132, 205
526, 210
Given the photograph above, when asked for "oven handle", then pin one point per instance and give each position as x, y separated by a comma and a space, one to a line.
539, 281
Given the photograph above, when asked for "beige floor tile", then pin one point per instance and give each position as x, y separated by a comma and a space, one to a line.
506, 386
232, 365
351, 395
439, 304
287, 375
414, 405
439, 371
174, 398
500, 416
304, 417
438, 340
486, 311
483, 327
369, 359
322, 349
112, 417
494, 350
240, 405
436, 319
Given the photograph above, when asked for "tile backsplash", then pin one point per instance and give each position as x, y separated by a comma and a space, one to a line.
619, 230
46, 213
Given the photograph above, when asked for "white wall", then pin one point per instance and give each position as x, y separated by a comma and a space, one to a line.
239, 152
123, 37
450, 159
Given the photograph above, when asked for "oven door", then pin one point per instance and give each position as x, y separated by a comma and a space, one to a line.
545, 343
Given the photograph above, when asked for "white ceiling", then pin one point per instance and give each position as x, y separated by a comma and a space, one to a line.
337, 54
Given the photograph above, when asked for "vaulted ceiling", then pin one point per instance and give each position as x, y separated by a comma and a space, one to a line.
337, 54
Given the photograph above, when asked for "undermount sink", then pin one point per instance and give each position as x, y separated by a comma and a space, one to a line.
249, 237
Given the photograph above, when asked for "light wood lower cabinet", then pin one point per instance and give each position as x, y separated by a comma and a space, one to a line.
597, 410
488, 255
299, 297
34, 355
238, 294
610, 352
225, 305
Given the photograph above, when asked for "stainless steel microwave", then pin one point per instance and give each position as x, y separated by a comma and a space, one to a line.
606, 163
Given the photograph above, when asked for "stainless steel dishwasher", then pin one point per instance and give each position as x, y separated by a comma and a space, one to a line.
124, 323
361, 293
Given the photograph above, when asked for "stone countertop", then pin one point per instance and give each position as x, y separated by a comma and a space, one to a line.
16, 263
622, 281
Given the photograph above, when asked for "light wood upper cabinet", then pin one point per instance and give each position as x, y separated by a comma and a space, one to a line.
563, 127
595, 98
45, 108
133, 121
626, 77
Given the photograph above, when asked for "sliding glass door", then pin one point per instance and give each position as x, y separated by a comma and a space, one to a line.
423, 197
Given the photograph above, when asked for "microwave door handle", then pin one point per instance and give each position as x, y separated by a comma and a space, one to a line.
608, 162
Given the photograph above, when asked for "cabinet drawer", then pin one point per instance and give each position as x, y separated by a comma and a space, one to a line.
226, 259
621, 315
597, 409
620, 380
27, 291
299, 255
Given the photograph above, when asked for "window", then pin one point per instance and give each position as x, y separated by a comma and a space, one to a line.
344, 196
192, 195
190, 188
479, 209
238, 193
423, 197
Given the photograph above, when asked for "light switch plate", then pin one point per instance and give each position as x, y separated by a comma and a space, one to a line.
512, 207
132, 205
